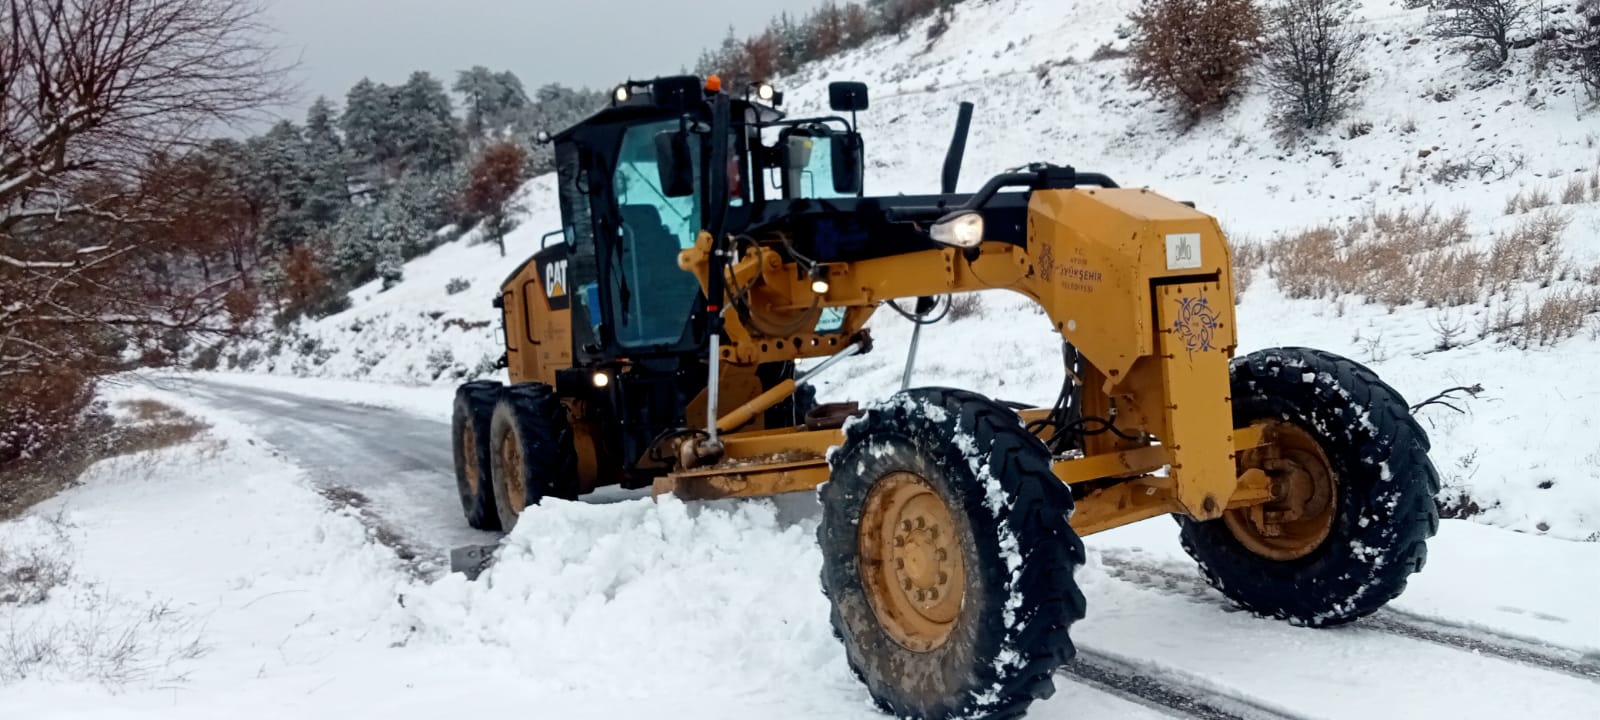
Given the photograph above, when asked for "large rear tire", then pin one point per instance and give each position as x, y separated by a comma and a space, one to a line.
469, 432
532, 451
948, 557
1354, 493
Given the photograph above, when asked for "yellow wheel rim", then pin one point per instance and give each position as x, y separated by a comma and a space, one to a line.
511, 463
911, 561
469, 456
1304, 501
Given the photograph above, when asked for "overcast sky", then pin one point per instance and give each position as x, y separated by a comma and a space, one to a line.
575, 42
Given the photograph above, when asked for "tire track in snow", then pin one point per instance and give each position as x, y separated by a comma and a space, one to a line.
1468, 639
1160, 688
1484, 642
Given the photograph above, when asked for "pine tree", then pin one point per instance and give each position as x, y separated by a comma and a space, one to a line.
478, 97
369, 124
792, 48
355, 248
328, 192
280, 160
391, 266
512, 99
425, 126
491, 100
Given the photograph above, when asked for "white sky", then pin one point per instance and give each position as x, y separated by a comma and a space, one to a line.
575, 42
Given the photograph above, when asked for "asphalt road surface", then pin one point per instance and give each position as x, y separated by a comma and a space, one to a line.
395, 467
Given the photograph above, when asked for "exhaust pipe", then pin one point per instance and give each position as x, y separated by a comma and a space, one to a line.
947, 185
958, 149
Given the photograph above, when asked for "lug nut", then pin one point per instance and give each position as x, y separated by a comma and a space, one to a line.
899, 563
921, 523
944, 577
906, 525
905, 583
933, 594
941, 555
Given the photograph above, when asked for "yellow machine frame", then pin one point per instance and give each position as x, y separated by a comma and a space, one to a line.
1139, 283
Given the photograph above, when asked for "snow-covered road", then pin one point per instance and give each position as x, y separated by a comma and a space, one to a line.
1499, 625
394, 465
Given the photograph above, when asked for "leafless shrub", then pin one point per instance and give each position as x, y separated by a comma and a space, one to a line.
1578, 47
1488, 26
966, 305
1194, 53
98, 219
1575, 192
1451, 171
1447, 327
1107, 51
28, 577
1527, 200
1529, 253
1309, 62
1248, 257
1558, 316
94, 437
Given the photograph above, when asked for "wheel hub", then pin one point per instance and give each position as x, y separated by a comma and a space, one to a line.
1299, 517
911, 561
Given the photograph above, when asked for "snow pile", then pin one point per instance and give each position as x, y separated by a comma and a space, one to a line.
666, 594
1426, 132
210, 566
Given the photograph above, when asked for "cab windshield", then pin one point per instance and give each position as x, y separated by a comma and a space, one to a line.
651, 297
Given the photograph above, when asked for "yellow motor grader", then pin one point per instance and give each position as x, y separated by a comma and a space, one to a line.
710, 242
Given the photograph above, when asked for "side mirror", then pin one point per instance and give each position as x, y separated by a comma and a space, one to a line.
846, 96
847, 166
674, 163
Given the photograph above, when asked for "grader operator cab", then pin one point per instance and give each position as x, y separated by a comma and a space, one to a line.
710, 243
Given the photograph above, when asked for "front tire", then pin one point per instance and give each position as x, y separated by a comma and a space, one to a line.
1355, 493
532, 451
948, 557
469, 431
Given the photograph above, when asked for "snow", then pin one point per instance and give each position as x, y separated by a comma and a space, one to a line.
712, 609
248, 592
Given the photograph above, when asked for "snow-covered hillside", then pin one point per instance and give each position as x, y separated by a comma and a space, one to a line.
1426, 132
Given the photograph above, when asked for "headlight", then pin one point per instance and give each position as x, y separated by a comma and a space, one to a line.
621, 94
765, 92
962, 229
601, 379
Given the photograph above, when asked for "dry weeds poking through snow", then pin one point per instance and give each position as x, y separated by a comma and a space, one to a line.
1532, 290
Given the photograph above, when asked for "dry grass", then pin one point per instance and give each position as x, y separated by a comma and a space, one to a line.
153, 426
106, 641
1363, 257
1531, 293
1527, 200
966, 305
1248, 257
1556, 317
1575, 192
28, 576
